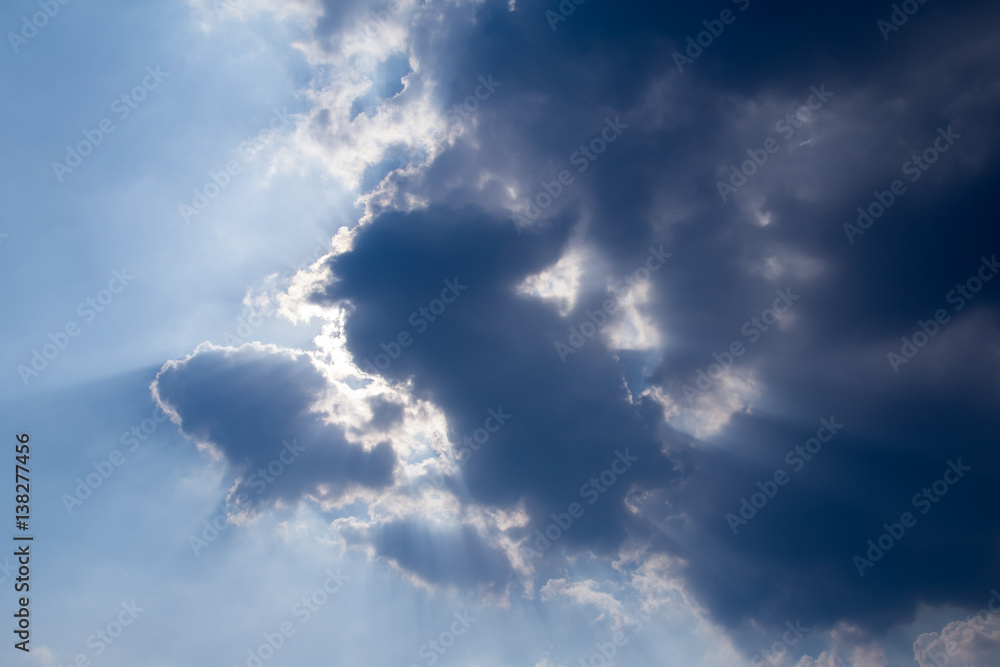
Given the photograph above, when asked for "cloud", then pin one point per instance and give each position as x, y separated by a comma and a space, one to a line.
451, 217
41, 656
851, 647
545, 662
437, 207
506, 360
254, 406
586, 592
973, 642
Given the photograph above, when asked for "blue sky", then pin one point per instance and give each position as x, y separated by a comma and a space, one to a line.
514, 333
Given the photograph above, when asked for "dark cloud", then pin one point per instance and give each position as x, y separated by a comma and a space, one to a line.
493, 348
255, 406
657, 184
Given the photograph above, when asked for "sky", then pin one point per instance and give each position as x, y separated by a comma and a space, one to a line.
501, 333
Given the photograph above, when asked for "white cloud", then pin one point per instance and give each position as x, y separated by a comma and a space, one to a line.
708, 412
560, 282
851, 647
974, 642
585, 592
